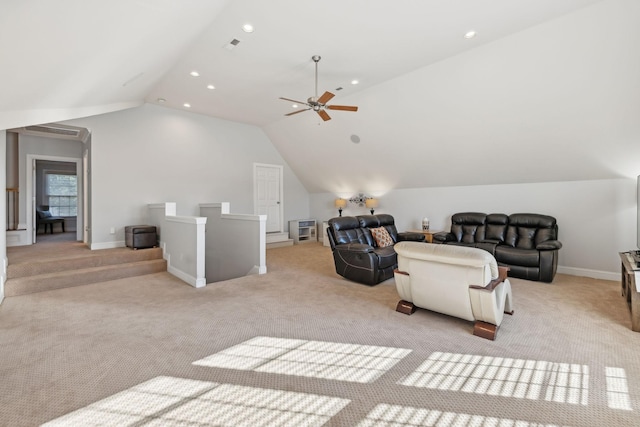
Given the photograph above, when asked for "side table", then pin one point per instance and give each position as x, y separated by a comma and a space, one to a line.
630, 290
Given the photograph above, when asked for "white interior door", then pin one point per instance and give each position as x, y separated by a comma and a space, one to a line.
268, 195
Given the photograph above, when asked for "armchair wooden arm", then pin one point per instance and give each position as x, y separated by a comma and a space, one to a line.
502, 276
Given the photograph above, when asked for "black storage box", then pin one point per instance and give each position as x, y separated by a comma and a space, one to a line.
140, 236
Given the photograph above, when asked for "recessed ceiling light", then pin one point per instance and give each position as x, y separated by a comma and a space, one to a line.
211, 87
194, 73
247, 28
161, 100
294, 106
187, 105
354, 82
469, 34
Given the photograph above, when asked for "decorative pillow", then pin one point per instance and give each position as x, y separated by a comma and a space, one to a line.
44, 214
381, 236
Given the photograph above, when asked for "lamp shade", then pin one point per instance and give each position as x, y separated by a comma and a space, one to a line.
371, 203
341, 203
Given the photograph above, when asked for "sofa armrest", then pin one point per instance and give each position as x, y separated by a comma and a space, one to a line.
549, 245
357, 262
355, 247
502, 276
410, 237
444, 236
490, 303
403, 286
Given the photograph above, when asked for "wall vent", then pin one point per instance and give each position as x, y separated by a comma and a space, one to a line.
232, 44
55, 130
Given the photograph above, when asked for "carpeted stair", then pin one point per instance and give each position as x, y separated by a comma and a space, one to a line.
80, 267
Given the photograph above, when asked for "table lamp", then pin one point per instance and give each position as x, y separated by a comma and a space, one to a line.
340, 204
371, 204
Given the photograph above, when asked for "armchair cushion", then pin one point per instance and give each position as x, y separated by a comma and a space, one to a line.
347, 230
387, 257
517, 256
44, 214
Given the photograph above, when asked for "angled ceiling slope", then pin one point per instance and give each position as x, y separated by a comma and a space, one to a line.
73, 58
372, 41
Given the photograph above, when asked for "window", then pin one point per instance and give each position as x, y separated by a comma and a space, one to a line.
62, 191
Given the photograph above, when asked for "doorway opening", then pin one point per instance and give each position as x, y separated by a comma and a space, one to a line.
48, 174
56, 201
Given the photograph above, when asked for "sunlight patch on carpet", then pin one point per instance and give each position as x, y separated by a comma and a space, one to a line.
501, 376
617, 389
169, 401
384, 415
316, 359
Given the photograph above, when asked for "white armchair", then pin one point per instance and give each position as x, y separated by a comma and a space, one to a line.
459, 281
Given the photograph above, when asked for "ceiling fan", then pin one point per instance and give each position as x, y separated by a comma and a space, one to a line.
319, 105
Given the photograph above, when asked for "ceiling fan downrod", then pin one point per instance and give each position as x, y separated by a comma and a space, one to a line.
316, 59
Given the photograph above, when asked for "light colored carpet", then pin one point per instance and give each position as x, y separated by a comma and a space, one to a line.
67, 236
63, 350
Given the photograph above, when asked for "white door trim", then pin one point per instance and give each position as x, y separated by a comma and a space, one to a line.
30, 195
281, 191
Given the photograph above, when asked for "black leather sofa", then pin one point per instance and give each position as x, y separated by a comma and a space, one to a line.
527, 243
356, 253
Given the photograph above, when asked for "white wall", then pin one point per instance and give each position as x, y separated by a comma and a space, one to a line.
151, 154
596, 219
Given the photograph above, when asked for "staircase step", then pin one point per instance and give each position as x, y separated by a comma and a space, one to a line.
98, 258
271, 245
277, 237
64, 279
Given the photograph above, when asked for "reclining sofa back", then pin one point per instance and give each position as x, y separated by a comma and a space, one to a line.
356, 253
350, 229
527, 243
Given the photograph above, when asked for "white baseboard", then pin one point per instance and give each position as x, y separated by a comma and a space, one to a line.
193, 281
108, 245
18, 238
585, 272
3, 277
257, 270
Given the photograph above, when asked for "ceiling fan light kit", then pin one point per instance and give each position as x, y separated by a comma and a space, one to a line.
318, 104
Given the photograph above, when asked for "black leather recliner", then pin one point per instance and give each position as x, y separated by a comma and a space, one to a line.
355, 252
527, 243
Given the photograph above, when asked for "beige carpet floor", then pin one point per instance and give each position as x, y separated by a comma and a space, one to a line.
566, 357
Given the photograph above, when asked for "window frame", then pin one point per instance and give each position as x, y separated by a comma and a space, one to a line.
47, 195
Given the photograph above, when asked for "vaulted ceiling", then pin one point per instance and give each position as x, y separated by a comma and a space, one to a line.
547, 90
